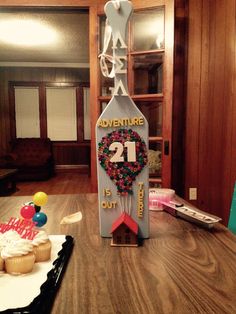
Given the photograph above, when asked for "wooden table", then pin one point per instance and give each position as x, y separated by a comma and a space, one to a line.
7, 181
182, 268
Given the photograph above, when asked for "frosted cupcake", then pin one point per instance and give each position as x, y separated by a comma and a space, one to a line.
42, 247
1, 247
1, 263
9, 236
5, 239
18, 256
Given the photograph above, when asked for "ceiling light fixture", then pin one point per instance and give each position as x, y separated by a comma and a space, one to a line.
22, 32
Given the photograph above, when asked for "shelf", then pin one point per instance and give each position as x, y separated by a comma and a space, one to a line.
148, 97
155, 138
147, 52
155, 180
104, 98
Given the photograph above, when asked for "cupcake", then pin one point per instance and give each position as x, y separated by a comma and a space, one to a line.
18, 256
9, 236
1, 263
42, 247
1, 247
5, 239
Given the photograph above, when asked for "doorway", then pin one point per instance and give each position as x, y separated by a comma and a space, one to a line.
58, 58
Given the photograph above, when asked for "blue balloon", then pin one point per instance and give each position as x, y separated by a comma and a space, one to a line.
40, 219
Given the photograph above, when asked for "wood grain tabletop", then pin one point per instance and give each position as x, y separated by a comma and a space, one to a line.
181, 268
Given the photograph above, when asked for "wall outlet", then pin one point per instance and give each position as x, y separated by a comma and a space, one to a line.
192, 194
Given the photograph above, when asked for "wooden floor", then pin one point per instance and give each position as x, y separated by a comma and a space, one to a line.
61, 183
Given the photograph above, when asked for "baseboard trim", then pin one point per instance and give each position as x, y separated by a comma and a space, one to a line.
72, 168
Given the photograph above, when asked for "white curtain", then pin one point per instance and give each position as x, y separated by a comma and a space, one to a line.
61, 113
27, 112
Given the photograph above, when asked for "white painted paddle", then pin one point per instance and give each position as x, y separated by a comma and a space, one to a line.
122, 138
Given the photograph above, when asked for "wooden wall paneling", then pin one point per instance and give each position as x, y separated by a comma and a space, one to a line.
4, 112
179, 96
193, 91
233, 99
214, 174
1, 114
42, 111
229, 170
210, 124
71, 153
206, 107
216, 120
12, 110
221, 200
7, 112
80, 113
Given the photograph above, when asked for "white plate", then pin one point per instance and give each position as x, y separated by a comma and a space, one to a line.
20, 290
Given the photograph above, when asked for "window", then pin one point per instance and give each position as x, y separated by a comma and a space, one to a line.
59, 111
27, 111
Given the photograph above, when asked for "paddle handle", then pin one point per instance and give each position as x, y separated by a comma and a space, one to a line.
118, 17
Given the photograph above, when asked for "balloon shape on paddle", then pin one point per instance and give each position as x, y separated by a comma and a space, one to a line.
123, 155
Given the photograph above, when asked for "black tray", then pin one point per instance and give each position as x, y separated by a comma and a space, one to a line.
43, 302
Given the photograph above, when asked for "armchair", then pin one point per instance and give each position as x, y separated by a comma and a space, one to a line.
32, 157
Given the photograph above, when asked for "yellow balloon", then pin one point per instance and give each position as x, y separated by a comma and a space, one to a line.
40, 198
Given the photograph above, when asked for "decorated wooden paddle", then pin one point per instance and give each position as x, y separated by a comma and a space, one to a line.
122, 139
